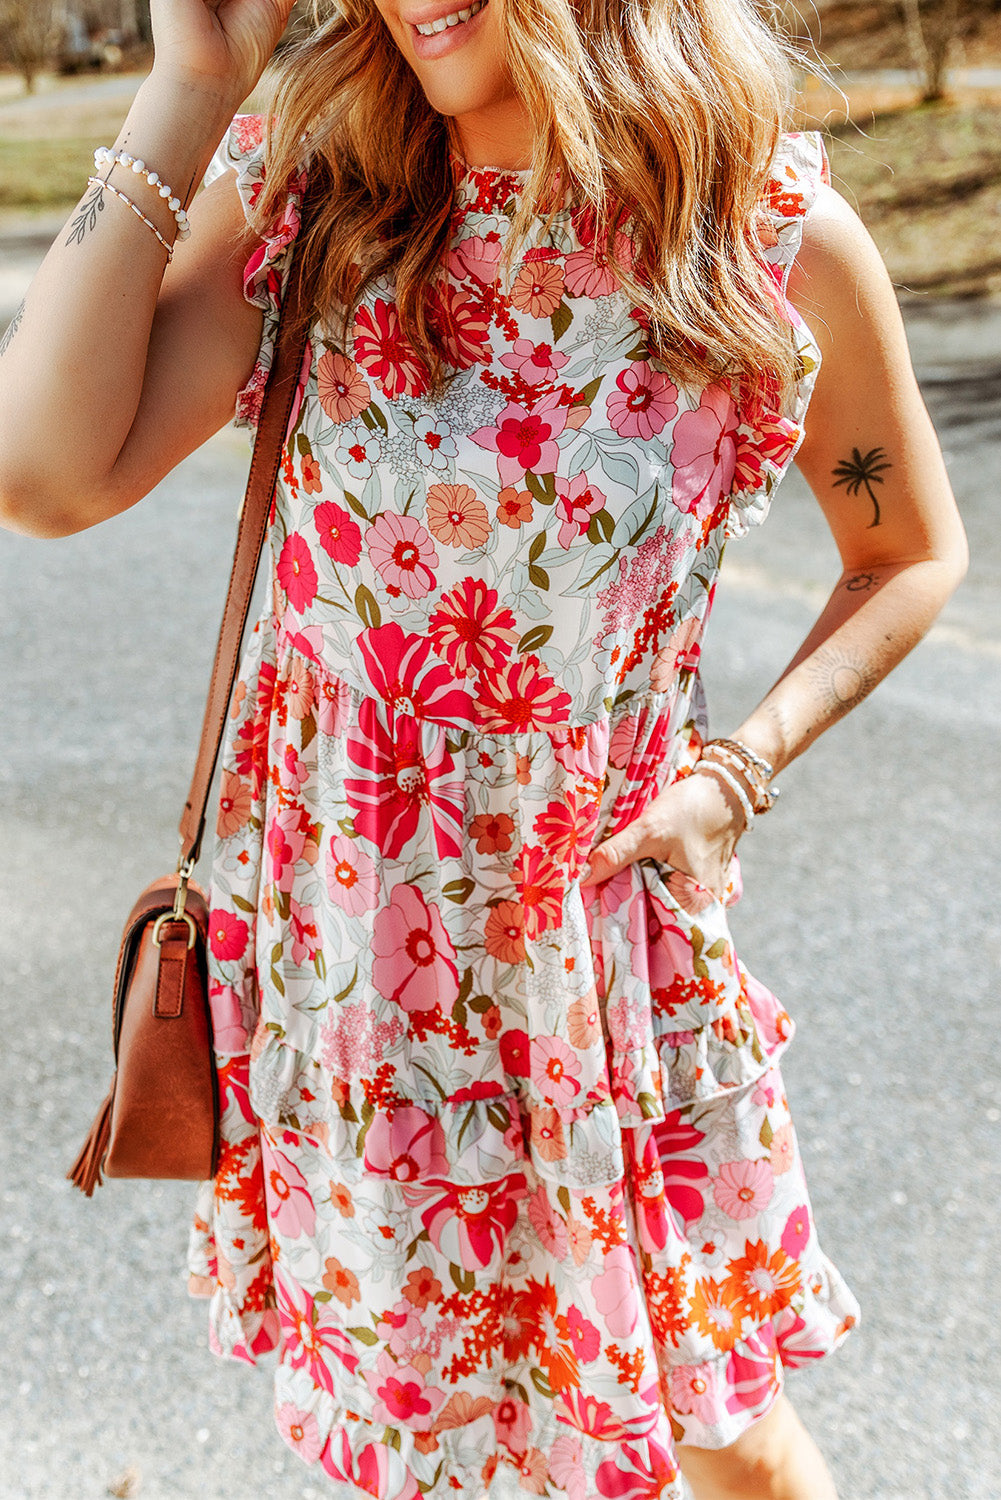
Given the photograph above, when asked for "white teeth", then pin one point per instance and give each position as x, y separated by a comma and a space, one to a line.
433, 28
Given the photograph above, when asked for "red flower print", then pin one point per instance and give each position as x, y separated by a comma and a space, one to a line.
402, 553
469, 1225
771, 440
284, 842
520, 696
414, 957
248, 131
577, 503
753, 1372
403, 1399
340, 537
540, 890
538, 288
704, 454
566, 829
762, 1284
463, 327
492, 832
343, 390
313, 1341
504, 933
525, 440
582, 1334
514, 1050
303, 932
470, 629
636, 1474
373, 1471
644, 403
683, 1171
421, 1288
228, 935
404, 672
380, 348
796, 1234
476, 257
296, 572
531, 1322
455, 516
404, 772
406, 1144
514, 507
535, 363
351, 876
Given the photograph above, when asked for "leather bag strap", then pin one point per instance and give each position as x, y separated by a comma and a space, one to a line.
272, 428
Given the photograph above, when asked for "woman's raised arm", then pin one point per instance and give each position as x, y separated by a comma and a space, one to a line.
116, 366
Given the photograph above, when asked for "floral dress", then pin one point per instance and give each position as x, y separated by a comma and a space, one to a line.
508, 1175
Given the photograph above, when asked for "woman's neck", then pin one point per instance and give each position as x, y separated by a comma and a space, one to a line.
499, 136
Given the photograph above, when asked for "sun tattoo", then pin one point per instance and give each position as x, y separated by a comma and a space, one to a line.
863, 469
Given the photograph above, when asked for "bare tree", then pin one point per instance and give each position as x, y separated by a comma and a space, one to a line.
26, 36
932, 30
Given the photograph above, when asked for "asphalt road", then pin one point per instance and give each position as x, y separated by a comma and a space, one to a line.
870, 909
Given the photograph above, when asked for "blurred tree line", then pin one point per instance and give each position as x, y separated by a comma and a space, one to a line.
72, 34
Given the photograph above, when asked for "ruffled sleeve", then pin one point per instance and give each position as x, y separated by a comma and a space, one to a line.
769, 436
266, 272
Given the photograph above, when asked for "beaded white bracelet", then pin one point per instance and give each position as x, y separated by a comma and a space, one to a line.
731, 781
104, 156
108, 187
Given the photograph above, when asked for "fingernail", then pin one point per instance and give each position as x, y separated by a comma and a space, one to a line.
585, 875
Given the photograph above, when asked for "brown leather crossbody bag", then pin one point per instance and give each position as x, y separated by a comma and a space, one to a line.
161, 1115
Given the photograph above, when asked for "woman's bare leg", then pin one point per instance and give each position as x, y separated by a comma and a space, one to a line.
775, 1459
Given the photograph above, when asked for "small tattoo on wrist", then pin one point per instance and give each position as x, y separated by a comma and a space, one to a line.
12, 327
85, 219
863, 470
861, 582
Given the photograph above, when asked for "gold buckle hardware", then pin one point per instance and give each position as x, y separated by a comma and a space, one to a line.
178, 913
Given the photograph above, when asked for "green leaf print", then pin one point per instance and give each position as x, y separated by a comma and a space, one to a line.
302, 443
363, 1335
534, 640
459, 891
464, 1281
560, 321
366, 607
242, 904
585, 397
767, 1134
542, 1384
355, 504
541, 488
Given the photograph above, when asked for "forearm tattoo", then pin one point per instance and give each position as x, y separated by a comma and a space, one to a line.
863, 470
861, 583
12, 328
85, 219
843, 677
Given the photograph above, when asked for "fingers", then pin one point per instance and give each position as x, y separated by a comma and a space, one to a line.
608, 858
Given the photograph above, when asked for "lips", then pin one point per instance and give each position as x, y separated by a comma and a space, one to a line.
443, 30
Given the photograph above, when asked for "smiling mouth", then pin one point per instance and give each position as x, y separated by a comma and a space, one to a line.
445, 23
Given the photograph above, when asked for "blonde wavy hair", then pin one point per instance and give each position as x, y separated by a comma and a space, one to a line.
660, 114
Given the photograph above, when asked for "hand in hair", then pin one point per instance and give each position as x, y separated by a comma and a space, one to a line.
223, 45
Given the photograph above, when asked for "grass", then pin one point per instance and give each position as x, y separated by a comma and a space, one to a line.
45, 174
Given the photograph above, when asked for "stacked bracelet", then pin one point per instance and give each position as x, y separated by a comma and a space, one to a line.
104, 156
107, 187
730, 780
747, 774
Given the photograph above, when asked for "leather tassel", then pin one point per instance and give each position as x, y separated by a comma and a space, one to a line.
86, 1170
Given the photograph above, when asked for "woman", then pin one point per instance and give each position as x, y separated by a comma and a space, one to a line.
509, 1177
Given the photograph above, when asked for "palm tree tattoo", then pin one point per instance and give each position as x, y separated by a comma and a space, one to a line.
863, 469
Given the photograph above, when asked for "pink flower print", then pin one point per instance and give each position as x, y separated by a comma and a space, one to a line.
312, 1340
455, 516
300, 1431
299, 688
512, 1424
343, 390
704, 454
525, 440
290, 1207
403, 773
312, 479
681, 654
414, 957
402, 553
566, 1468
284, 841
796, 1234
476, 257
248, 131
228, 935
752, 1372
743, 1188
303, 930
406, 1144
533, 1472
339, 536
292, 770
566, 829
380, 348
468, 1225
434, 443
540, 890
354, 1043
462, 325
694, 1392
229, 1027
616, 1295
653, 1219
782, 1151
351, 877
538, 288
556, 1069
583, 1335
376, 1470
471, 629
534, 363
644, 402
520, 696
399, 1328
403, 671
235, 804
578, 501
547, 1223
403, 1400
684, 1171
769, 440
333, 703
636, 1473
589, 272
296, 572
